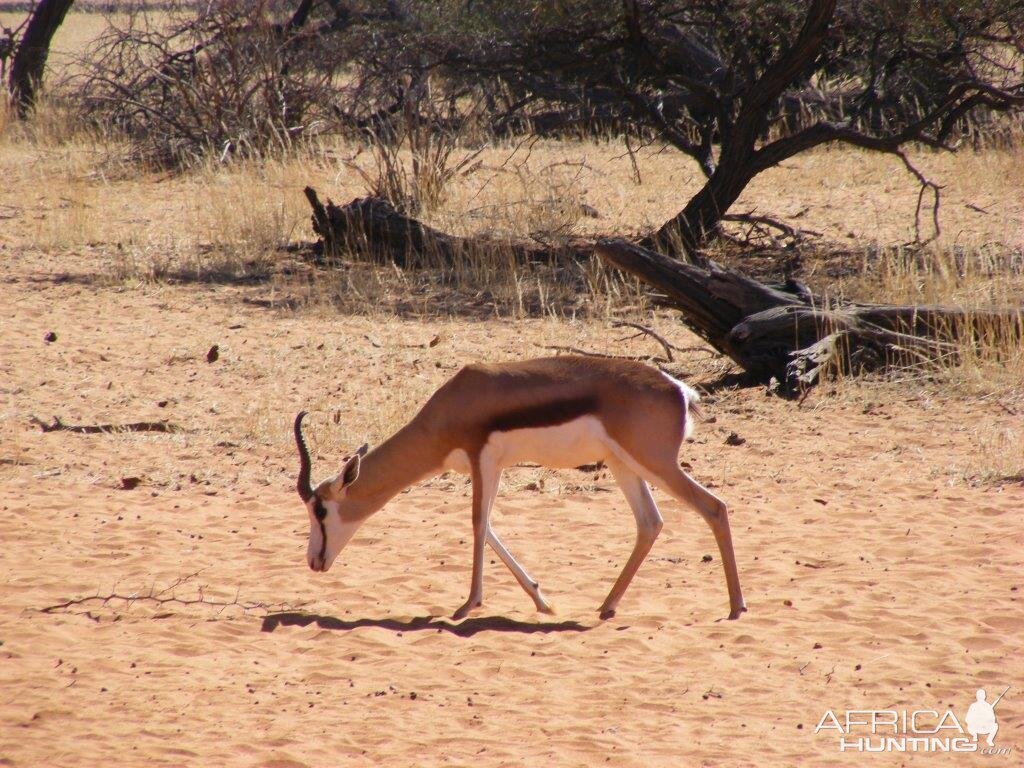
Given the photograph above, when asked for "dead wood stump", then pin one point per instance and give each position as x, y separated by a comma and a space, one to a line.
372, 227
785, 332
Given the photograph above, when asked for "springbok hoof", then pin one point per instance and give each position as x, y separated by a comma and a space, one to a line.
733, 615
607, 613
463, 612
540, 603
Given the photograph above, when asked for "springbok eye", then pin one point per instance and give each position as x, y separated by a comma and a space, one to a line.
319, 510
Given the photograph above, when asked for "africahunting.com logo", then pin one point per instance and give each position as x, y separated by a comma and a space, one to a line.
918, 730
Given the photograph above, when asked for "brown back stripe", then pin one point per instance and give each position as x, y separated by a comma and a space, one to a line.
543, 415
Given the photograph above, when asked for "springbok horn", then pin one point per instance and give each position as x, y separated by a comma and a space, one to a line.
303, 485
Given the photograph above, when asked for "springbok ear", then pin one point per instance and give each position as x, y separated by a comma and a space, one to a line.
351, 470
363, 449
347, 476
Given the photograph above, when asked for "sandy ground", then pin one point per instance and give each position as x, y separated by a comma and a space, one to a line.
881, 561
878, 576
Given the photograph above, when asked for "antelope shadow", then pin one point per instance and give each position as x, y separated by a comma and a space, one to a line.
465, 628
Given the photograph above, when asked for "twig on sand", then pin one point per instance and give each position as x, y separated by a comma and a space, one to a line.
645, 330
639, 358
91, 429
165, 596
587, 353
762, 223
665, 343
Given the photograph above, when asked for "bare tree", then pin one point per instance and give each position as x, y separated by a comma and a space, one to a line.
741, 86
29, 60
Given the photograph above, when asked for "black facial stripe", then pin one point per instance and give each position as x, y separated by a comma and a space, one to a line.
320, 513
323, 541
319, 510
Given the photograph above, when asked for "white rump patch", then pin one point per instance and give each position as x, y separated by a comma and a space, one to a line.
692, 399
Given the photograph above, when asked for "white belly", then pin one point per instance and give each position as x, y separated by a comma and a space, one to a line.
576, 442
580, 441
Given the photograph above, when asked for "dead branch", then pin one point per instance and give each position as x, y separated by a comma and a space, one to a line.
665, 344
762, 223
926, 184
788, 334
588, 353
165, 596
91, 429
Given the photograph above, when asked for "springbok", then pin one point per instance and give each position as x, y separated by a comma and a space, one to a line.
556, 411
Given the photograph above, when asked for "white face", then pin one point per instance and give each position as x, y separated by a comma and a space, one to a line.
320, 556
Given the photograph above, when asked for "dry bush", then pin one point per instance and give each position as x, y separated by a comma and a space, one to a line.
417, 151
225, 78
991, 276
543, 200
58, 167
484, 286
505, 195
71, 220
996, 458
56, 127
247, 209
14, 452
153, 259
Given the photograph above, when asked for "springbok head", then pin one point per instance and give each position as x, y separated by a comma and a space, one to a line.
331, 522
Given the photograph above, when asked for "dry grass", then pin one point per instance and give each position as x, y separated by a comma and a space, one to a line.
970, 279
999, 457
226, 222
232, 225
71, 191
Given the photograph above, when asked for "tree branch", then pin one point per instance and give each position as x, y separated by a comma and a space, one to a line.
770, 85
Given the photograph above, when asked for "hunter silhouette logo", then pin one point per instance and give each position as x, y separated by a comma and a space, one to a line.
981, 717
919, 730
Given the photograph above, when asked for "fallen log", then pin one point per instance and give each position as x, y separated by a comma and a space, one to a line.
373, 228
786, 333
778, 332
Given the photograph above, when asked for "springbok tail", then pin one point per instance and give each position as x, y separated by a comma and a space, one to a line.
691, 400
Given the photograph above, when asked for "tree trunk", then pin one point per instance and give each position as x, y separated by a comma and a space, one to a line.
737, 164
784, 332
691, 227
373, 227
33, 49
